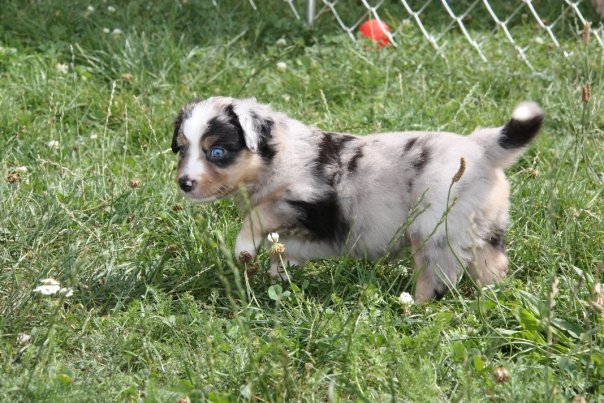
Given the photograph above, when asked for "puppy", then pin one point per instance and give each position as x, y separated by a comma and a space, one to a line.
331, 194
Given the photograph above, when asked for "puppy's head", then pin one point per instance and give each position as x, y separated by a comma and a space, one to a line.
223, 144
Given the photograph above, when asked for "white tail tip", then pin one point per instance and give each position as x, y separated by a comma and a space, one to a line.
527, 111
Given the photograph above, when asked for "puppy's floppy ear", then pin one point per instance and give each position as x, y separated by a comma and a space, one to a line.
256, 129
177, 125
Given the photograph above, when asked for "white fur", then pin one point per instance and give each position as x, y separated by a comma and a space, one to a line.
243, 111
193, 128
526, 111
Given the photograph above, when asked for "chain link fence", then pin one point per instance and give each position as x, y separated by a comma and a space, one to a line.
479, 21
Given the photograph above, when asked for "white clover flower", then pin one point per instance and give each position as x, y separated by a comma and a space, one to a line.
501, 374
116, 32
94, 136
52, 144
66, 292
281, 66
273, 237
49, 281
111, 9
599, 290
21, 170
405, 299
400, 267
23, 338
106, 30
539, 40
276, 247
49, 287
62, 68
90, 9
281, 42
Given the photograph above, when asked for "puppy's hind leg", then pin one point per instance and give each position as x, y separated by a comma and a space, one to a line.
489, 264
439, 269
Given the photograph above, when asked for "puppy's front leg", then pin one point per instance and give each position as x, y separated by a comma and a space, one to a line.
264, 218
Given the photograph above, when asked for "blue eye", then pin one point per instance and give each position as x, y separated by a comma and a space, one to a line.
217, 152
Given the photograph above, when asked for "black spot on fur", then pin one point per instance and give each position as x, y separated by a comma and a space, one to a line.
264, 127
322, 218
331, 146
177, 124
233, 118
441, 243
352, 164
184, 114
440, 292
496, 239
422, 159
410, 144
410, 184
328, 162
518, 133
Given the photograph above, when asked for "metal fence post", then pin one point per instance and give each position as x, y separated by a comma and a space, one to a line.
310, 11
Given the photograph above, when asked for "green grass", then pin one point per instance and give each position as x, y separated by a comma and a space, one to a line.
160, 312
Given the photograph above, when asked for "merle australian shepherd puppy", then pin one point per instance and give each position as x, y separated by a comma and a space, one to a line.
332, 194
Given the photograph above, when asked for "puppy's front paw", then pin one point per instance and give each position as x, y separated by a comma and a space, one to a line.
245, 250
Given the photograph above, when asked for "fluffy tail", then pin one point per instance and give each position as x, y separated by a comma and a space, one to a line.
504, 145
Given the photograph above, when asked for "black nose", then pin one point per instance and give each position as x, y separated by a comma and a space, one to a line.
186, 183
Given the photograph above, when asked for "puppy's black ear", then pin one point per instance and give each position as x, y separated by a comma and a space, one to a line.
177, 125
256, 128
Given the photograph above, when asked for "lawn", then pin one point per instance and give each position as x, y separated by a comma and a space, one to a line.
160, 311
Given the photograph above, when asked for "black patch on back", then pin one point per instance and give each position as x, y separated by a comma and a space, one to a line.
518, 133
229, 135
352, 164
409, 144
422, 159
496, 239
322, 218
328, 162
331, 146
